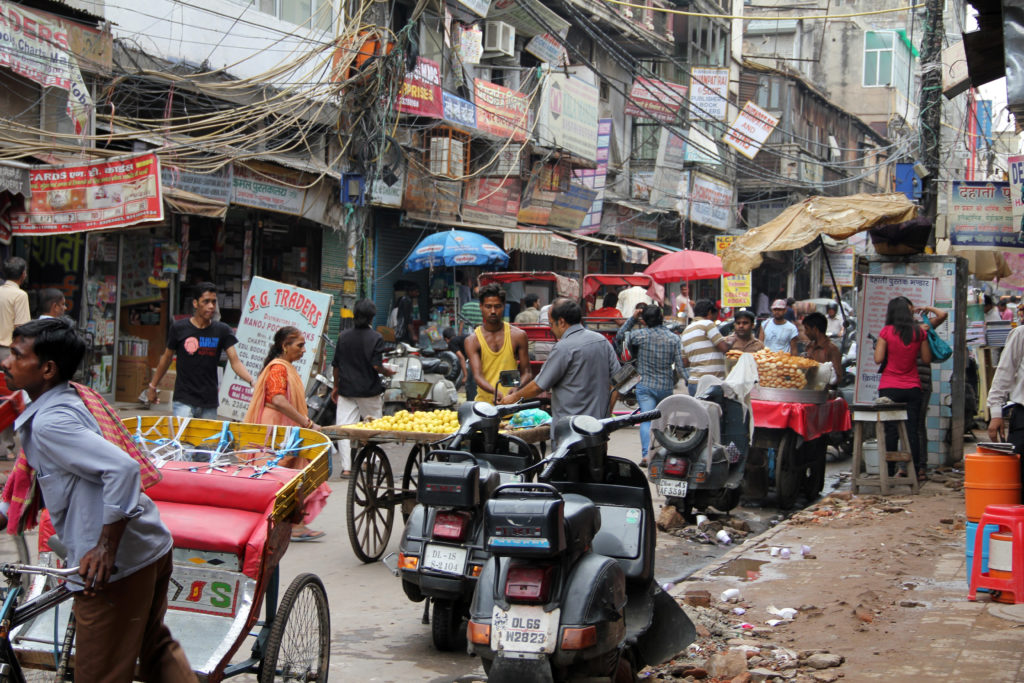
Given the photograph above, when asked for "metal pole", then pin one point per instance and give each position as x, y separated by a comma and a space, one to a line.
832, 276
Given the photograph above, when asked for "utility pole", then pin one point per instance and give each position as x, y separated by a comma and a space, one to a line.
930, 102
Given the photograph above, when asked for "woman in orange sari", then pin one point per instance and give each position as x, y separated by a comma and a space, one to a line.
279, 398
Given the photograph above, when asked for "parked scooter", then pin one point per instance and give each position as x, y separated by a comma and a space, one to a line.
442, 548
702, 451
569, 592
420, 382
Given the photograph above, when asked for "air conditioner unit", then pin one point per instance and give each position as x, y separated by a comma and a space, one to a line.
499, 38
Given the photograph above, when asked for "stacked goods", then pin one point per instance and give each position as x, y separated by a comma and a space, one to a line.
428, 422
781, 370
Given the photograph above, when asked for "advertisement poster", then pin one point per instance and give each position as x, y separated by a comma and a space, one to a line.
842, 267
750, 130
100, 195
501, 111
1017, 190
710, 202
874, 299
709, 93
59, 262
216, 185
266, 187
492, 201
981, 216
594, 178
651, 98
268, 306
736, 289
568, 115
421, 90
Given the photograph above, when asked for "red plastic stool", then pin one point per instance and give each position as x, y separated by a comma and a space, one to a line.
1009, 517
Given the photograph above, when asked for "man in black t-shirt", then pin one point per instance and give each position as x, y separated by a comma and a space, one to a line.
403, 326
457, 345
197, 341
358, 363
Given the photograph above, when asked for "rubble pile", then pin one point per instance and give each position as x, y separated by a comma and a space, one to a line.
722, 531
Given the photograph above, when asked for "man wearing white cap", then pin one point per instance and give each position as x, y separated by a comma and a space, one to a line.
779, 334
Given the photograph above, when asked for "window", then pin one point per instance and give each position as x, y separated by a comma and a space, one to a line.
316, 15
887, 61
646, 137
769, 93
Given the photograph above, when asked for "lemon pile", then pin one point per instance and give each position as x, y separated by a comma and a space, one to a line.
429, 422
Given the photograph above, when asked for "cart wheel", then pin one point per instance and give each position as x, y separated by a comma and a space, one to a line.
299, 645
411, 477
370, 515
814, 469
788, 474
447, 627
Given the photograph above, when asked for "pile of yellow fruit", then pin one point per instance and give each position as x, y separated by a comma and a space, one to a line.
429, 422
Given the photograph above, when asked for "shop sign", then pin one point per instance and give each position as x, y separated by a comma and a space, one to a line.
547, 48
37, 46
501, 111
102, 195
14, 179
268, 306
594, 178
622, 221
470, 47
981, 216
521, 13
58, 261
1017, 190
570, 207
736, 289
651, 98
709, 93
421, 90
701, 148
216, 185
477, 7
546, 181
664, 184
492, 201
382, 194
842, 267
750, 130
266, 187
710, 202
432, 197
568, 115
458, 110
640, 188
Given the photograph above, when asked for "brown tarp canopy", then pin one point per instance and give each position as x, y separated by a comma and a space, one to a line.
837, 217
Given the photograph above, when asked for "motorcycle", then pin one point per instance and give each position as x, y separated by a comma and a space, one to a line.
442, 548
420, 381
569, 590
318, 400
702, 451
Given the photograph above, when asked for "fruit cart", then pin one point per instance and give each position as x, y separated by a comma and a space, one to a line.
372, 496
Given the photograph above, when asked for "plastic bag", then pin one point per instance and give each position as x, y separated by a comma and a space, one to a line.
534, 417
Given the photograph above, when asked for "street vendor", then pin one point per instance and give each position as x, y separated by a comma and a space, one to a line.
819, 347
496, 347
742, 338
779, 334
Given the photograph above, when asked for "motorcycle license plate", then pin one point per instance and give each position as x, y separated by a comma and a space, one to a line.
445, 558
672, 488
524, 628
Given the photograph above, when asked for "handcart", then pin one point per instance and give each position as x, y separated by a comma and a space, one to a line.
229, 505
372, 496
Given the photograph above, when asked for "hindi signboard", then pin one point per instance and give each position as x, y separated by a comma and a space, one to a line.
709, 93
570, 207
269, 306
1017, 190
458, 110
842, 263
492, 201
547, 48
99, 195
216, 185
981, 216
876, 292
594, 178
650, 98
710, 202
750, 130
267, 187
421, 90
736, 289
501, 111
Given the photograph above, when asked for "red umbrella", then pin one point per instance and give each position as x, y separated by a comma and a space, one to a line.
686, 265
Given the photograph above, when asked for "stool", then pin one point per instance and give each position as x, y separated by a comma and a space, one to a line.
1009, 517
880, 414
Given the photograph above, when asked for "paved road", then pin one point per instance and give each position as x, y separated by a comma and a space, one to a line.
377, 631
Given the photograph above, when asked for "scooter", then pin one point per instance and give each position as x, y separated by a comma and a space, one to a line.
442, 548
702, 451
569, 592
420, 381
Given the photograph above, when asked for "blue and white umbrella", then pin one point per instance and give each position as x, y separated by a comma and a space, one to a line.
455, 248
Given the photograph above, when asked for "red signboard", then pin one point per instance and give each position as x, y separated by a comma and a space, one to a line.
421, 91
493, 201
501, 111
101, 195
655, 99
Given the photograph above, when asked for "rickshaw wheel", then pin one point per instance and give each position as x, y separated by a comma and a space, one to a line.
299, 645
370, 513
788, 475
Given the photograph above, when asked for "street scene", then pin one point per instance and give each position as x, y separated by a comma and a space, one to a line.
511, 340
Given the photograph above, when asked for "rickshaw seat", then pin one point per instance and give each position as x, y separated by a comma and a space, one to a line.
201, 527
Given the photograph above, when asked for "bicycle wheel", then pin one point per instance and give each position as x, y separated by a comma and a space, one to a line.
299, 645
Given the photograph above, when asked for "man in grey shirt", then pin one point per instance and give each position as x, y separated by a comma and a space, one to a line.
579, 370
112, 530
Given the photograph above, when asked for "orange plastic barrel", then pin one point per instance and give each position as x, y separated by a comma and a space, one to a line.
990, 479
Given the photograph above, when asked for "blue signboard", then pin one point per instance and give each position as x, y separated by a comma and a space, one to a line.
458, 110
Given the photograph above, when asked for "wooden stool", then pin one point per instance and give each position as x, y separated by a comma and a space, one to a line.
880, 414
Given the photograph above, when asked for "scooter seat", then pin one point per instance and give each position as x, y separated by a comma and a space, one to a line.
582, 521
430, 364
490, 479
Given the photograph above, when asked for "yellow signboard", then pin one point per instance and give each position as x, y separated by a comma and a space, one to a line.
735, 288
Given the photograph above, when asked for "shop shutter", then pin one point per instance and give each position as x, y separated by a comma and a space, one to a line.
392, 247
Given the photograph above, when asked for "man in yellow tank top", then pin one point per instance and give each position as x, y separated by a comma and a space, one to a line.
495, 346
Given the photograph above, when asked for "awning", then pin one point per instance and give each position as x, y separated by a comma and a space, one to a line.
14, 178
182, 201
629, 254
653, 246
537, 241
639, 207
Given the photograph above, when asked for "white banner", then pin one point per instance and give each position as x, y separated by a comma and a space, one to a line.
750, 130
709, 93
711, 202
269, 306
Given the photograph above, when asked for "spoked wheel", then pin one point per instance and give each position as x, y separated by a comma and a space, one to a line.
446, 626
299, 645
411, 477
788, 475
370, 512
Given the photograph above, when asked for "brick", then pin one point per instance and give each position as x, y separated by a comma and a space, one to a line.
697, 598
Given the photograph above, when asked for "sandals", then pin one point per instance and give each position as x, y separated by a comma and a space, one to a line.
308, 536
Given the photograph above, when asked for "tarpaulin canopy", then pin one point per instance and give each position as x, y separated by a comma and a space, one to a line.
182, 201
837, 217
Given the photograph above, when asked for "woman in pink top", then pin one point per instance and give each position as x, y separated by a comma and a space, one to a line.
900, 343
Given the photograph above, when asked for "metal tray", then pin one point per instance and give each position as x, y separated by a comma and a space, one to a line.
788, 395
